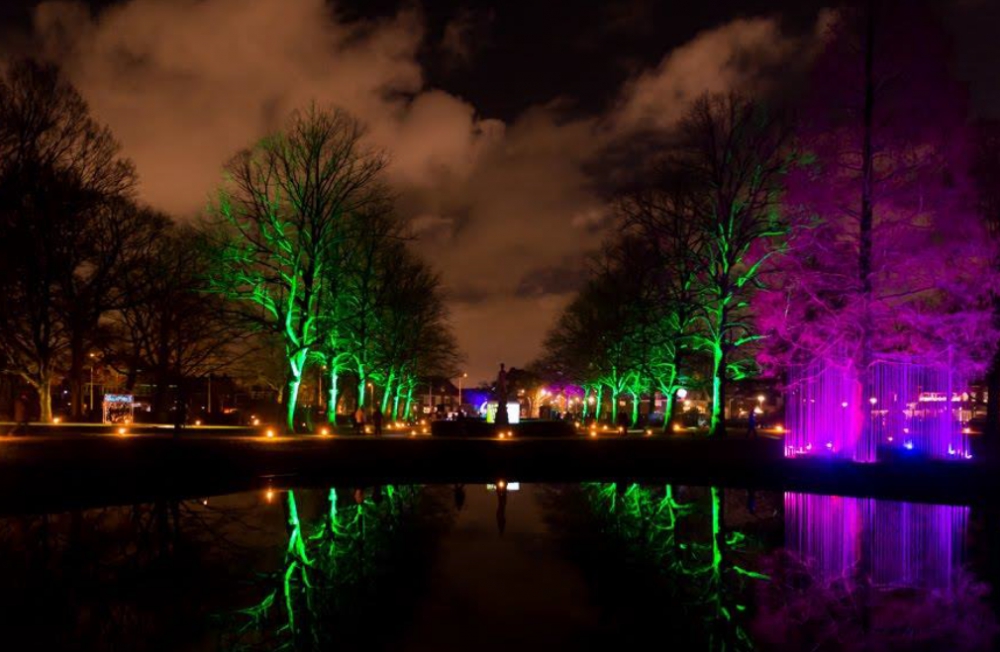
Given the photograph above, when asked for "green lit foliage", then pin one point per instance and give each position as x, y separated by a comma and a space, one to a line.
282, 215
696, 559
662, 216
674, 285
601, 338
386, 321
332, 572
734, 154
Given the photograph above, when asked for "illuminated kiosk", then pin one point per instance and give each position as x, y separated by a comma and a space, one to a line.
118, 408
909, 406
896, 544
513, 412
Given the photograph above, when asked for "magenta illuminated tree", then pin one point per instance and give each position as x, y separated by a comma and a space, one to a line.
887, 255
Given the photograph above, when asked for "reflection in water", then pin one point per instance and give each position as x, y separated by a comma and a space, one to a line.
866, 574
699, 564
334, 572
704, 568
895, 544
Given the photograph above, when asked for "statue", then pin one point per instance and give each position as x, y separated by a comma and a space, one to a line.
501, 396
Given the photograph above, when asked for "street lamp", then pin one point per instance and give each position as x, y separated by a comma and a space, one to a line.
460, 378
371, 386
91, 401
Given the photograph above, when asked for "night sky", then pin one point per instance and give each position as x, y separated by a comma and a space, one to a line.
494, 116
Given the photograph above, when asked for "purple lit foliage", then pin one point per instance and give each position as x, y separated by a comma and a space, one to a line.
887, 259
861, 574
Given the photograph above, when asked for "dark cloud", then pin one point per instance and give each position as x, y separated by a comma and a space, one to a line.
506, 211
559, 280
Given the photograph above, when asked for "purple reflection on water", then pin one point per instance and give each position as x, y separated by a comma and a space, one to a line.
895, 544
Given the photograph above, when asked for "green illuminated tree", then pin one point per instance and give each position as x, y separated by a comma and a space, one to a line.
662, 217
734, 155
285, 206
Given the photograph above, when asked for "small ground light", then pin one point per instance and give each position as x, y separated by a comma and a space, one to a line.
122, 431
648, 432
197, 422
325, 432
593, 433
502, 484
56, 420
256, 422
779, 428
269, 495
677, 427
270, 432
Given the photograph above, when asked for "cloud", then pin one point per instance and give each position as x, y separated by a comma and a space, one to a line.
464, 35
507, 212
185, 84
734, 56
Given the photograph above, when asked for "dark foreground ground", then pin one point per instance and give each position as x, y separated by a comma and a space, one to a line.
67, 470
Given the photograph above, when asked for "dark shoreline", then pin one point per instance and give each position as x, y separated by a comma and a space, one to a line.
52, 473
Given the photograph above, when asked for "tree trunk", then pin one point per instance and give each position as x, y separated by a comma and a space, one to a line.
991, 433
409, 400
867, 220
718, 423
77, 354
331, 407
44, 388
296, 366
387, 391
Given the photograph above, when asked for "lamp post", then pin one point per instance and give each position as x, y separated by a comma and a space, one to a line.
90, 407
460, 378
371, 387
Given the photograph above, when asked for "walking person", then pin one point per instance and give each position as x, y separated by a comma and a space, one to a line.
377, 421
359, 421
752, 425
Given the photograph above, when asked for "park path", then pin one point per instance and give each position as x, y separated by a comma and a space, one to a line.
510, 592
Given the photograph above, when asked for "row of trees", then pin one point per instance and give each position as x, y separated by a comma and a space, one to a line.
842, 228
307, 240
301, 257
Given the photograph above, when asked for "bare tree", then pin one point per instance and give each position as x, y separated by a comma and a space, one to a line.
59, 171
282, 211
